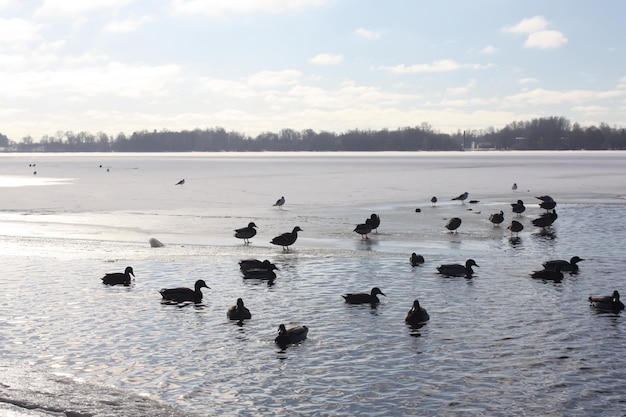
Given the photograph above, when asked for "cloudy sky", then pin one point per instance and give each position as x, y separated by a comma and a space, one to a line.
264, 65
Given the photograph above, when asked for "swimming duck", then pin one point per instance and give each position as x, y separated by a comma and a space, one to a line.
458, 270
373, 222
553, 274
238, 311
417, 314
462, 197
280, 202
246, 233
497, 218
183, 294
287, 239
364, 298
515, 227
261, 273
363, 229
119, 278
571, 266
607, 302
252, 264
545, 220
416, 259
518, 207
290, 336
453, 224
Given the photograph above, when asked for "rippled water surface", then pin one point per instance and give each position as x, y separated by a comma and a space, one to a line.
499, 344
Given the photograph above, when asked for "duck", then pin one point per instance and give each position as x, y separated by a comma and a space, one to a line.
417, 314
181, 182
363, 229
453, 224
287, 239
255, 264
291, 336
433, 200
548, 205
518, 207
246, 233
497, 218
514, 186
553, 274
268, 273
570, 266
515, 227
363, 297
462, 197
373, 221
238, 311
119, 278
458, 270
545, 220
182, 294
280, 202
416, 259
607, 302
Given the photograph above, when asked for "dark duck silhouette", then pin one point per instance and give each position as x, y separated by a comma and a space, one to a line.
607, 302
518, 208
545, 220
563, 265
268, 273
238, 311
417, 314
547, 202
287, 239
497, 218
363, 229
453, 224
458, 270
433, 200
182, 294
373, 222
119, 278
181, 182
515, 227
255, 264
462, 197
246, 233
416, 259
363, 297
553, 274
290, 336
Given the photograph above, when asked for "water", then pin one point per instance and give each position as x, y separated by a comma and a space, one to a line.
500, 344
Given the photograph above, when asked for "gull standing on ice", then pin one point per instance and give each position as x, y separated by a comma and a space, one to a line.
280, 202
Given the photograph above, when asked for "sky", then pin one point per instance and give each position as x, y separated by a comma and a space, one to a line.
253, 66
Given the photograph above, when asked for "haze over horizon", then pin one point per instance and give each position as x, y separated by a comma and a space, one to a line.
263, 65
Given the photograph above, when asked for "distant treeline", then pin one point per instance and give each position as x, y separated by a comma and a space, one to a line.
552, 133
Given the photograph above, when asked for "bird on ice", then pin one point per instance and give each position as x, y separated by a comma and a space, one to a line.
181, 182
462, 197
280, 202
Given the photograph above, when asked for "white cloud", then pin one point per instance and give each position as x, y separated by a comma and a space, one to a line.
436, 66
527, 80
274, 78
530, 25
126, 25
326, 59
217, 8
456, 91
592, 110
367, 34
74, 9
545, 39
538, 35
540, 96
18, 31
488, 50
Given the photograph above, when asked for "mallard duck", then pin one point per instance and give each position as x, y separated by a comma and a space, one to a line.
183, 294
417, 314
518, 207
249, 264
290, 336
261, 273
287, 239
453, 224
119, 278
373, 222
515, 227
497, 218
563, 265
238, 311
607, 302
546, 219
416, 259
433, 200
246, 233
458, 270
363, 229
553, 274
363, 297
